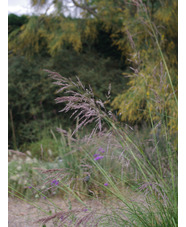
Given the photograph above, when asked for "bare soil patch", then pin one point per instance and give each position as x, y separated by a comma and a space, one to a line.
23, 214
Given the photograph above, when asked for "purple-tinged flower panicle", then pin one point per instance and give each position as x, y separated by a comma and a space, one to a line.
80, 101
106, 184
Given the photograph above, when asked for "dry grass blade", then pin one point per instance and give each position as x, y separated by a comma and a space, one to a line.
64, 217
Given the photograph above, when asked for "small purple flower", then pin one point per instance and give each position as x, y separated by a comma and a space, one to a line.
98, 157
56, 182
61, 217
95, 155
29, 187
85, 210
44, 197
53, 182
101, 150
106, 184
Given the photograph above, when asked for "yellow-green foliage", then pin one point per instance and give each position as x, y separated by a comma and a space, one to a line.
148, 91
30, 39
149, 86
51, 33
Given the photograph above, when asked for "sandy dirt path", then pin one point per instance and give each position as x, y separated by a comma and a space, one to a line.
22, 214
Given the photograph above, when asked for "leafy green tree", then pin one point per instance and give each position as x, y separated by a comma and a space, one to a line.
15, 22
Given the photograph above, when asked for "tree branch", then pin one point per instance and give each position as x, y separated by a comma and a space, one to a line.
85, 7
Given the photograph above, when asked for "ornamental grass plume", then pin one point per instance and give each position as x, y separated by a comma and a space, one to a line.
81, 101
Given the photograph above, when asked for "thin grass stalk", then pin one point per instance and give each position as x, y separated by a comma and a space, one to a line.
72, 192
53, 135
175, 225
170, 158
162, 212
117, 193
157, 150
67, 190
104, 173
47, 198
148, 169
161, 206
137, 147
144, 222
13, 130
149, 202
120, 197
133, 155
140, 167
39, 208
118, 216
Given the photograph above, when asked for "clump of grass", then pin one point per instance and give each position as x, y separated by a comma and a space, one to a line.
150, 175
106, 162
